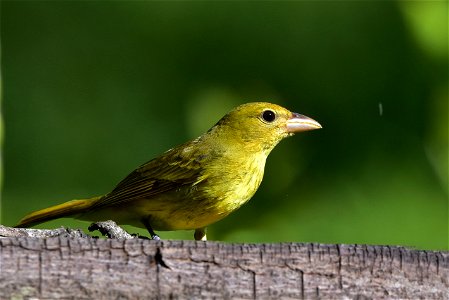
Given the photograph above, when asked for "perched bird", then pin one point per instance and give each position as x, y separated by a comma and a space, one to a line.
194, 184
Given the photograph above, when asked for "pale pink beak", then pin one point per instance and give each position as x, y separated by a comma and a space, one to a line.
298, 123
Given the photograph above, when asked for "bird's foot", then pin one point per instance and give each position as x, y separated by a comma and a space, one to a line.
200, 234
155, 237
146, 223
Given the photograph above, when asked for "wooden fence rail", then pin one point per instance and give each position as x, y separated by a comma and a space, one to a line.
88, 268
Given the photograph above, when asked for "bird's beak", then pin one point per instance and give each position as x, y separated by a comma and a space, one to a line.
298, 123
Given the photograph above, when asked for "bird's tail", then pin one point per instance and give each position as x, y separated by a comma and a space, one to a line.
67, 209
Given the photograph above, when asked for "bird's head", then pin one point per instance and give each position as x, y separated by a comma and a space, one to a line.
260, 126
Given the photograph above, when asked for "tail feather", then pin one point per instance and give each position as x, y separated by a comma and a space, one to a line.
67, 209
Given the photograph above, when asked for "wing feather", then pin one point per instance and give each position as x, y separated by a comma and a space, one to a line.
168, 172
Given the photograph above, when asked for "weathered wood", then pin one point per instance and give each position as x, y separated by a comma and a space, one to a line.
41, 233
87, 268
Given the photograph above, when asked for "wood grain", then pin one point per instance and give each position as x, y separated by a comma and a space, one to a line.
87, 268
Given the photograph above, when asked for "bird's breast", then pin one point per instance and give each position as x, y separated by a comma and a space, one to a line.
223, 187
235, 185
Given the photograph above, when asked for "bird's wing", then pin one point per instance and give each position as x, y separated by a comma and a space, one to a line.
171, 171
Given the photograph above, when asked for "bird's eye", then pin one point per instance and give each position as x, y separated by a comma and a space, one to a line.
268, 115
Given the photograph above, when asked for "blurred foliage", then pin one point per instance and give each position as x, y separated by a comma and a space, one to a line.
94, 89
1, 138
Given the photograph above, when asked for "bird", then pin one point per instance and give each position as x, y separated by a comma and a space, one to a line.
195, 184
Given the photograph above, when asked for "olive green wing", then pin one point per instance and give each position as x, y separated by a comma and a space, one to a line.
169, 172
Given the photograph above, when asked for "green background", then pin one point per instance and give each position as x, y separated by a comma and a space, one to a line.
94, 89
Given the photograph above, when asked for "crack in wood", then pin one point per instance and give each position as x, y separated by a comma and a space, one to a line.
158, 258
340, 280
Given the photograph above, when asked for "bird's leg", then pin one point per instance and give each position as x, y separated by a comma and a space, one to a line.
200, 234
146, 222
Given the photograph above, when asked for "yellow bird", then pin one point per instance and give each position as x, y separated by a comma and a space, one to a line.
194, 184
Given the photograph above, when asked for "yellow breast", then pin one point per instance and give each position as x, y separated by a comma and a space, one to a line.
212, 199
